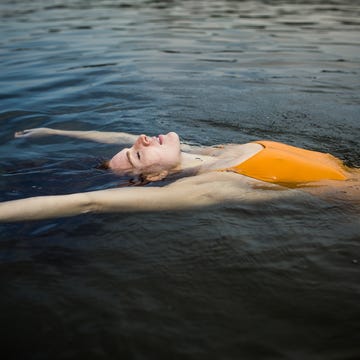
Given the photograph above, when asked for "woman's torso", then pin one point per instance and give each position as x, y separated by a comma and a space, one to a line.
278, 163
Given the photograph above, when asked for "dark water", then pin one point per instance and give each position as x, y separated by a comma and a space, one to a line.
276, 280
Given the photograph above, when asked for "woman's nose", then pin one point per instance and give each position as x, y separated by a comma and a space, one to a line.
144, 140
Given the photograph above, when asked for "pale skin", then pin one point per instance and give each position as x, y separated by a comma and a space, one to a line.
156, 158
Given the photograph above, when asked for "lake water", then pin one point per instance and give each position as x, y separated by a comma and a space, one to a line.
278, 280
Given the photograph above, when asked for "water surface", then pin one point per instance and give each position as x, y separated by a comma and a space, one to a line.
276, 280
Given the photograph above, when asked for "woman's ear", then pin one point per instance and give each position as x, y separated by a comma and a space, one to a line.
156, 176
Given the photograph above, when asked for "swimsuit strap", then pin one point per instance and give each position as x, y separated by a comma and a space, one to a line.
281, 163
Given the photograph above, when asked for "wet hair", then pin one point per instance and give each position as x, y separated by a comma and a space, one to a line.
137, 180
103, 165
141, 179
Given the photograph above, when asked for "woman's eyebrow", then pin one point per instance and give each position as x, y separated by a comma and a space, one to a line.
129, 158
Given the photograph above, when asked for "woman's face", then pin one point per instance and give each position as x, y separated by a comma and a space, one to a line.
149, 154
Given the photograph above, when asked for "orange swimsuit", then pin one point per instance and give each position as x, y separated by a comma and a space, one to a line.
280, 163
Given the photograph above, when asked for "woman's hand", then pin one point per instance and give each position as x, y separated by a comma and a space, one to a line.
34, 132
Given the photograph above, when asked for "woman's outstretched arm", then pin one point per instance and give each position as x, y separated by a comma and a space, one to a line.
98, 136
132, 199
189, 193
102, 137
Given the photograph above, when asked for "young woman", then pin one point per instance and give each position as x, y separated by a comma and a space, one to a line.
208, 176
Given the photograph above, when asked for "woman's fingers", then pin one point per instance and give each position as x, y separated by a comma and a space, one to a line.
22, 133
31, 132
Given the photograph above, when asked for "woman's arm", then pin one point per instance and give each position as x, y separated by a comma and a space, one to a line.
188, 193
104, 137
127, 200
98, 136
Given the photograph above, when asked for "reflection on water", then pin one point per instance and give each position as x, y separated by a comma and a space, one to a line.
253, 281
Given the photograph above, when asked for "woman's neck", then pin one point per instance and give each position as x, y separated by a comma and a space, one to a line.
195, 161
230, 156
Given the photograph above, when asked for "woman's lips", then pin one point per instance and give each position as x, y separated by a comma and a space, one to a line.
161, 139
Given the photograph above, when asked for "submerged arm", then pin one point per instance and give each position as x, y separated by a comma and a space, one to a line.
127, 200
188, 193
98, 136
103, 137
185, 194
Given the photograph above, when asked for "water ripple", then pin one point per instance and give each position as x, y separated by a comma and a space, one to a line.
250, 280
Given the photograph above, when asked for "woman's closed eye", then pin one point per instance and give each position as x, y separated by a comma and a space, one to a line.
138, 155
